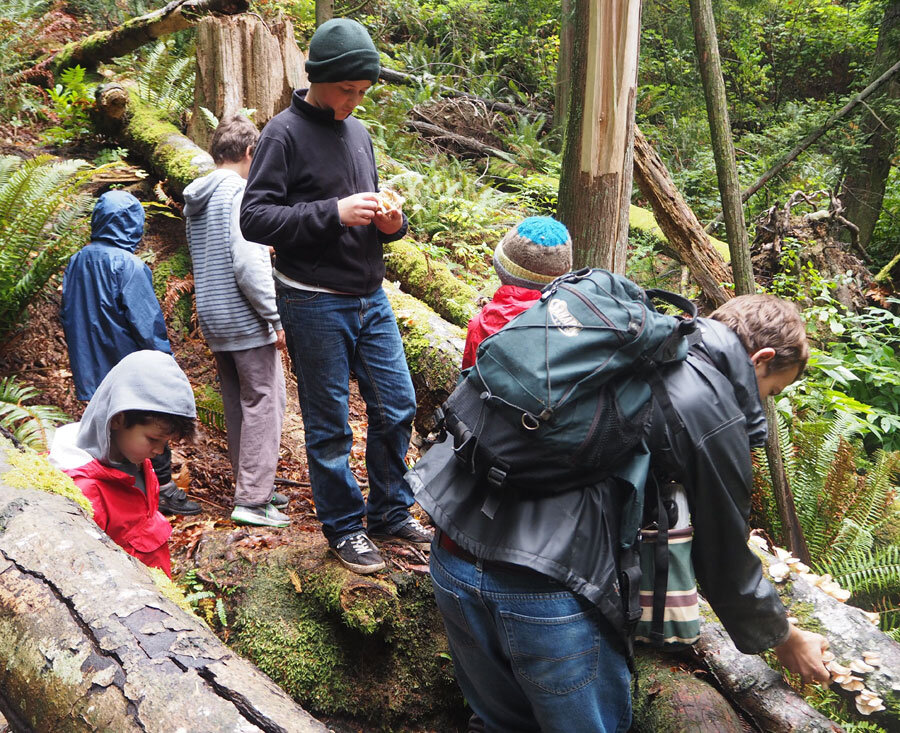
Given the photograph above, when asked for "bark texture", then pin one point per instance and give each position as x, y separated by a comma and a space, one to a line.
173, 157
864, 184
244, 63
723, 147
753, 686
683, 232
670, 699
88, 642
107, 45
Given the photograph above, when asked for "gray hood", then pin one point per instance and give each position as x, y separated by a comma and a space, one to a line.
200, 190
143, 380
724, 349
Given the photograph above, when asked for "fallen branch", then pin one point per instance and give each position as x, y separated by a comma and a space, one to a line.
134, 33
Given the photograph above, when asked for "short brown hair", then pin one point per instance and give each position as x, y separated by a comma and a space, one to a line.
232, 137
178, 426
764, 321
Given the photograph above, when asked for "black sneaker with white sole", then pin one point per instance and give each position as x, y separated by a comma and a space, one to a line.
358, 553
173, 500
411, 532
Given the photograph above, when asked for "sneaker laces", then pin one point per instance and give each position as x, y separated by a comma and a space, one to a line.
360, 543
416, 525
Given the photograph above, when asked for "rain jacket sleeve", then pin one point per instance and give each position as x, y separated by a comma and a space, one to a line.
139, 303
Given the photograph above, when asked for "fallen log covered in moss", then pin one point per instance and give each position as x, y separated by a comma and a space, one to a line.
89, 642
431, 281
173, 157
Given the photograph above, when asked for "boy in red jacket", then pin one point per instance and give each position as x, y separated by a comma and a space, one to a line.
531, 255
144, 402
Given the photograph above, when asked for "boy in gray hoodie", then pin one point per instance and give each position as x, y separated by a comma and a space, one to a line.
239, 319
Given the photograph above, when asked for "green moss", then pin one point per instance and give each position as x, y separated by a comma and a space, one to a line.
33, 471
170, 590
643, 221
431, 281
399, 672
365, 613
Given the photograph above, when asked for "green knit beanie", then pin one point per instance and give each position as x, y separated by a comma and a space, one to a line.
341, 50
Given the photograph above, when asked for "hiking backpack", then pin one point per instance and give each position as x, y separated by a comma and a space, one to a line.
560, 397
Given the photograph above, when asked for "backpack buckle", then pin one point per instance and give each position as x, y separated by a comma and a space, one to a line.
496, 477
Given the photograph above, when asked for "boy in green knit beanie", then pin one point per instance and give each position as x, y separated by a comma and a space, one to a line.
312, 195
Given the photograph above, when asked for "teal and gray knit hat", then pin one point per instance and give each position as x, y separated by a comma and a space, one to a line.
534, 253
341, 50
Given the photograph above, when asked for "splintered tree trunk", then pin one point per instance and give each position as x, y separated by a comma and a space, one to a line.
107, 45
684, 233
595, 186
244, 64
88, 642
863, 190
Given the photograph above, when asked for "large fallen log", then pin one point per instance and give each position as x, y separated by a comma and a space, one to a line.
434, 350
431, 281
88, 642
683, 232
753, 686
134, 33
173, 157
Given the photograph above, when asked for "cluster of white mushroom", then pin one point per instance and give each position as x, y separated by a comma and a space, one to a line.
867, 702
787, 564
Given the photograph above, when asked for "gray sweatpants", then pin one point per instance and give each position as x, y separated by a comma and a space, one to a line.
252, 384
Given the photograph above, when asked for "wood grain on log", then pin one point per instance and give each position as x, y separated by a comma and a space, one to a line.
87, 641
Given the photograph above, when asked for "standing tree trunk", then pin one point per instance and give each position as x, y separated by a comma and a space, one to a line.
564, 64
324, 11
863, 189
723, 147
244, 63
595, 186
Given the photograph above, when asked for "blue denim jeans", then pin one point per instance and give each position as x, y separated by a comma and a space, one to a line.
529, 654
328, 336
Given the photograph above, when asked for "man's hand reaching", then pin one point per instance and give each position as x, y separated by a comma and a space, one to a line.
801, 653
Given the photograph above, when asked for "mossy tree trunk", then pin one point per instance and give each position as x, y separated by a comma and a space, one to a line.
88, 641
595, 186
173, 157
244, 63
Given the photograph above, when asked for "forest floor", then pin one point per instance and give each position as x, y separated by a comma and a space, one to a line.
38, 356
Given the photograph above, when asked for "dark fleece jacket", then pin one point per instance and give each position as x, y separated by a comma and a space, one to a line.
304, 162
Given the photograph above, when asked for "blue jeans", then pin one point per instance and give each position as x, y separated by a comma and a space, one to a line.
529, 654
328, 336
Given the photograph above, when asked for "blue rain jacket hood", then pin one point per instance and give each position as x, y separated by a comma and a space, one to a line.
118, 220
109, 309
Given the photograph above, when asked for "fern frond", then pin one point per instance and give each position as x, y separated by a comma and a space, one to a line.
28, 423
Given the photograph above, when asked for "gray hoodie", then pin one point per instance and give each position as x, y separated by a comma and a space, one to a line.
143, 380
232, 277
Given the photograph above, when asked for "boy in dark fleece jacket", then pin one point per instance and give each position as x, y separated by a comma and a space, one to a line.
239, 318
312, 196
143, 402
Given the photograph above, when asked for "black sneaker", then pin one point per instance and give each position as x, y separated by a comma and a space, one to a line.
173, 500
411, 532
279, 501
357, 553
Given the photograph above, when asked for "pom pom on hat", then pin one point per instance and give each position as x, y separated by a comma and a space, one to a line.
342, 50
534, 253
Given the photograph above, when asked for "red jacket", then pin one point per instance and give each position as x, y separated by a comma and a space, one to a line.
508, 302
128, 515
